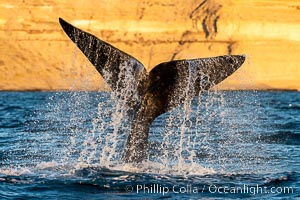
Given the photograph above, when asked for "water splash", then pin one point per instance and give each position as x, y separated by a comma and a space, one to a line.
204, 133
184, 141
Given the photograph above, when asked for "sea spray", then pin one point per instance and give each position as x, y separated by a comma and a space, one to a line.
184, 136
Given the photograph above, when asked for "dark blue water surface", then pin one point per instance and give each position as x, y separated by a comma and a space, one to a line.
222, 145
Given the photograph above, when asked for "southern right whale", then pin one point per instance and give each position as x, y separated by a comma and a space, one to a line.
150, 94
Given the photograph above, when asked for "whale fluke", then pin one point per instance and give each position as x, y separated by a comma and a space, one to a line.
114, 65
149, 95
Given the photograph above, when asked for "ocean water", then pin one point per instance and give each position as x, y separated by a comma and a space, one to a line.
222, 145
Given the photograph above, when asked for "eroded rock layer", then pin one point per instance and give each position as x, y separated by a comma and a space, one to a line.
37, 55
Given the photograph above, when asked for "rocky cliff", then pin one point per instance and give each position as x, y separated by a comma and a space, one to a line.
37, 55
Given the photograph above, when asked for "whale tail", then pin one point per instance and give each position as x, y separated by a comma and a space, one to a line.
148, 95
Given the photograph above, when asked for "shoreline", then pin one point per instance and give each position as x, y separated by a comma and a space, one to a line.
238, 90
